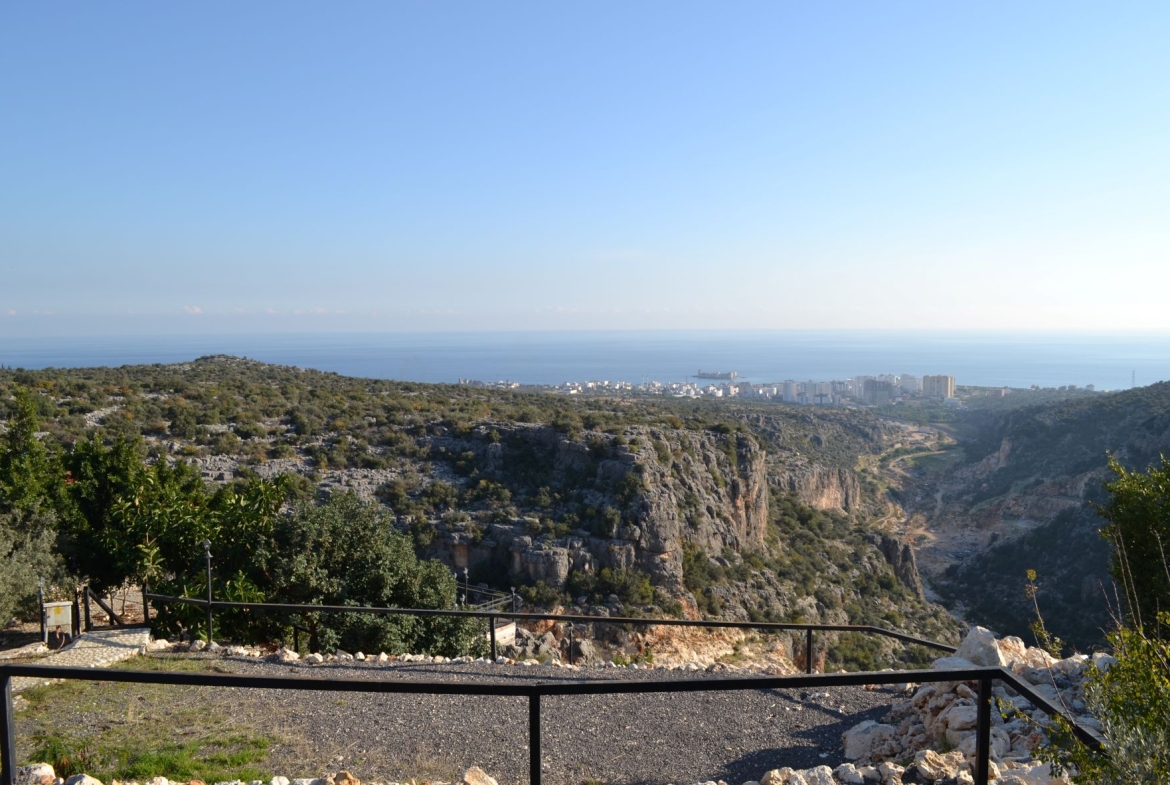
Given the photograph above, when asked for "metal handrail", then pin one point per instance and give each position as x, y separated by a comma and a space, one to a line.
534, 691
808, 629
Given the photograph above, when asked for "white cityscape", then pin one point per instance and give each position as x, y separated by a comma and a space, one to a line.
878, 390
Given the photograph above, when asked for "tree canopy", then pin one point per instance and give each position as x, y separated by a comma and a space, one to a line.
1138, 515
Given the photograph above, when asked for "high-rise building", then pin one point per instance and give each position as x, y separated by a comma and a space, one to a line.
878, 393
938, 386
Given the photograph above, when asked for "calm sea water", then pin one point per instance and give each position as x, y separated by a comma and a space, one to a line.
992, 359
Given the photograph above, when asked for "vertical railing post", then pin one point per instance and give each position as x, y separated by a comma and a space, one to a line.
75, 622
534, 739
7, 731
207, 551
145, 604
41, 606
88, 618
492, 634
808, 662
571, 643
983, 732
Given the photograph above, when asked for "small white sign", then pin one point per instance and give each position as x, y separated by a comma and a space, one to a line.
59, 614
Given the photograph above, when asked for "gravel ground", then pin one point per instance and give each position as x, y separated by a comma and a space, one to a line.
657, 738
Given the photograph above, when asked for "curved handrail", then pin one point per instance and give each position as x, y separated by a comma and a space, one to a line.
563, 617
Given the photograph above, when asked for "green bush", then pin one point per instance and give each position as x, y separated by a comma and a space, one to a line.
346, 552
1131, 700
630, 586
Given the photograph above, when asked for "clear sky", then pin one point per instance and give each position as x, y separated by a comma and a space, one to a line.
214, 166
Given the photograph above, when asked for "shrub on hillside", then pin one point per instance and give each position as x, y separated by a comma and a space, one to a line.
346, 552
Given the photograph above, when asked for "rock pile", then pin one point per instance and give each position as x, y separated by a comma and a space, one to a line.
526, 655
943, 715
43, 774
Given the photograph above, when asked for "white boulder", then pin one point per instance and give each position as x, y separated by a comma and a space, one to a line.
821, 775
477, 776
981, 648
82, 779
848, 774
951, 664
776, 776
870, 741
35, 774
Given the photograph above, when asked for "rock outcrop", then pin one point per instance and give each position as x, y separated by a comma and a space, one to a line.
820, 487
670, 487
943, 715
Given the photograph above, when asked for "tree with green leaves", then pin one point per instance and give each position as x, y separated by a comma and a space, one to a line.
1130, 699
26, 466
1138, 515
346, 552
126, 520
29, 478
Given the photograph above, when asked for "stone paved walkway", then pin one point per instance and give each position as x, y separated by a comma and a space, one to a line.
93, 650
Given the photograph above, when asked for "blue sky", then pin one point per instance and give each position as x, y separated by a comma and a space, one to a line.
221, 167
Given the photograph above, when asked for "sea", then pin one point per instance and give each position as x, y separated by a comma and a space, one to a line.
1109, 361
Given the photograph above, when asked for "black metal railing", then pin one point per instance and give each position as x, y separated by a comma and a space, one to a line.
492, 616
535, 691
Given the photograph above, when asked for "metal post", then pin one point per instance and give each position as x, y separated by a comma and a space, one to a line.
75, 622
207, 551
41, 605
514, 608
492, 634
145, 604
983, 732
534, 739
297, 640
570, 643
88, 620
808, 663
7, 733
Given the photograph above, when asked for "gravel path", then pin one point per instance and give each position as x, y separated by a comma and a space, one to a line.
92, 650
657, 738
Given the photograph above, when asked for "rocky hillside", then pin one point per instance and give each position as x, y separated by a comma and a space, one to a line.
1023, 497
650, 505
627, 502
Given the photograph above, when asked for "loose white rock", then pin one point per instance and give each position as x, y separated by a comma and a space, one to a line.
82, 779
821, 775
848, 774
477, 776
869, 741
36, 774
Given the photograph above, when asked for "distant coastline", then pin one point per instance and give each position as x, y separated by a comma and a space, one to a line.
1108, 361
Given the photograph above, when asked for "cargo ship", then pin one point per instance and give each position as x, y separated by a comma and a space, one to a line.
715, 374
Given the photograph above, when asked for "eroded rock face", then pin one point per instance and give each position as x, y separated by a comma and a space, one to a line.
901, 557
670, 486
820, 487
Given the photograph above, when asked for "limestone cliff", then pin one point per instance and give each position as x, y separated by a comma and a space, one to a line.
668, 487
820, 487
